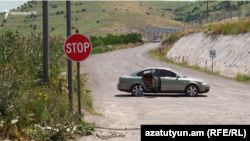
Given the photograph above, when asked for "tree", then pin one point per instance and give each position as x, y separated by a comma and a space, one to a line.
62, 12
2, 25
147, 13
34, 27
103, 10
115, 8
53, 28
97, 21
76, 19
4, 20
77, 11
83, 10
30, 25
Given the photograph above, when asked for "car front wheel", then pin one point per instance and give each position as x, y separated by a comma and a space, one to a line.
191, 90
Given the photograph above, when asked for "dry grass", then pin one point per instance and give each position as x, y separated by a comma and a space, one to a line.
228, 26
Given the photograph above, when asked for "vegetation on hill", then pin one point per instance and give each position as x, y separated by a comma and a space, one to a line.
198, 9
27, 109
111, 39
227, 27
93, 17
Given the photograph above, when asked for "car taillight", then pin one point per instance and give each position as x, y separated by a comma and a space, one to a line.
120, 80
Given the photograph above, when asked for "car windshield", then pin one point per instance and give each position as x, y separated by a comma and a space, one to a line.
182, 76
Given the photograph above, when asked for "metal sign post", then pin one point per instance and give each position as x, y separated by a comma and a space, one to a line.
160, 47
212, 55
79, 86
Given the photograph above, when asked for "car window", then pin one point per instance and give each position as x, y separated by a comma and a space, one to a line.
165, 73
171, 74
147, 73
140, 73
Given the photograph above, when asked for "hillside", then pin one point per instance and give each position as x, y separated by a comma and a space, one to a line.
93, 18
192, 11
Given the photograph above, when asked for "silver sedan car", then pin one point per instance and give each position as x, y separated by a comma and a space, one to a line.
161, 80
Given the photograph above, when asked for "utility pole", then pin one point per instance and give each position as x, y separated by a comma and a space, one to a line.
207, 11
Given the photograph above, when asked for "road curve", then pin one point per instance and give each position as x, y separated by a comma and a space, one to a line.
226, 103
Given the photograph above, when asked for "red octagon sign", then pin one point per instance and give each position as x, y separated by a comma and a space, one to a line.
77, 47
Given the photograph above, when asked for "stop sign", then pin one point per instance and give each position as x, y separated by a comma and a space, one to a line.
77, 47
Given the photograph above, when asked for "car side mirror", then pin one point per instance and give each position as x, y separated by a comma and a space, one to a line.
177, 76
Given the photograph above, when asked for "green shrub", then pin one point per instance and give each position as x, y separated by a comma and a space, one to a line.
241, 77
96, 51
97, 42
24, 106
111, 39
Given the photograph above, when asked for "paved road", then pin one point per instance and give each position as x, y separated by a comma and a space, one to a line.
228, 101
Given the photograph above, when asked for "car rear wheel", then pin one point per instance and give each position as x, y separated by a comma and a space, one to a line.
191, 90
134, 89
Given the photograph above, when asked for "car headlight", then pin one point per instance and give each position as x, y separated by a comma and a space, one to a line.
204, 83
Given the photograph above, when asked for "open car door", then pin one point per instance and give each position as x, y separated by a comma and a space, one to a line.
147, 79
156, 82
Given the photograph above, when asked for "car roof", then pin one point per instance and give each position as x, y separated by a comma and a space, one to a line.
147, 68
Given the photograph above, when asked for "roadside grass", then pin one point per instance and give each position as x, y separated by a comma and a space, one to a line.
243, 78
108, 48
155, 55
228, 27
27, 109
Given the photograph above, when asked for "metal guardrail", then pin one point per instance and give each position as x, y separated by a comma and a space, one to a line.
157, 33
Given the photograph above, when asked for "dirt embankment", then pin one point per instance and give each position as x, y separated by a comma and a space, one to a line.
232, 52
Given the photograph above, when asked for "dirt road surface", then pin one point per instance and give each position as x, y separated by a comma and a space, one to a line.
228, 101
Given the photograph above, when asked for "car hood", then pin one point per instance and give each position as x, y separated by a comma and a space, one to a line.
193, 79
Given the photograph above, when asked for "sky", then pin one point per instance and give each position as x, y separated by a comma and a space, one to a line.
9, 5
